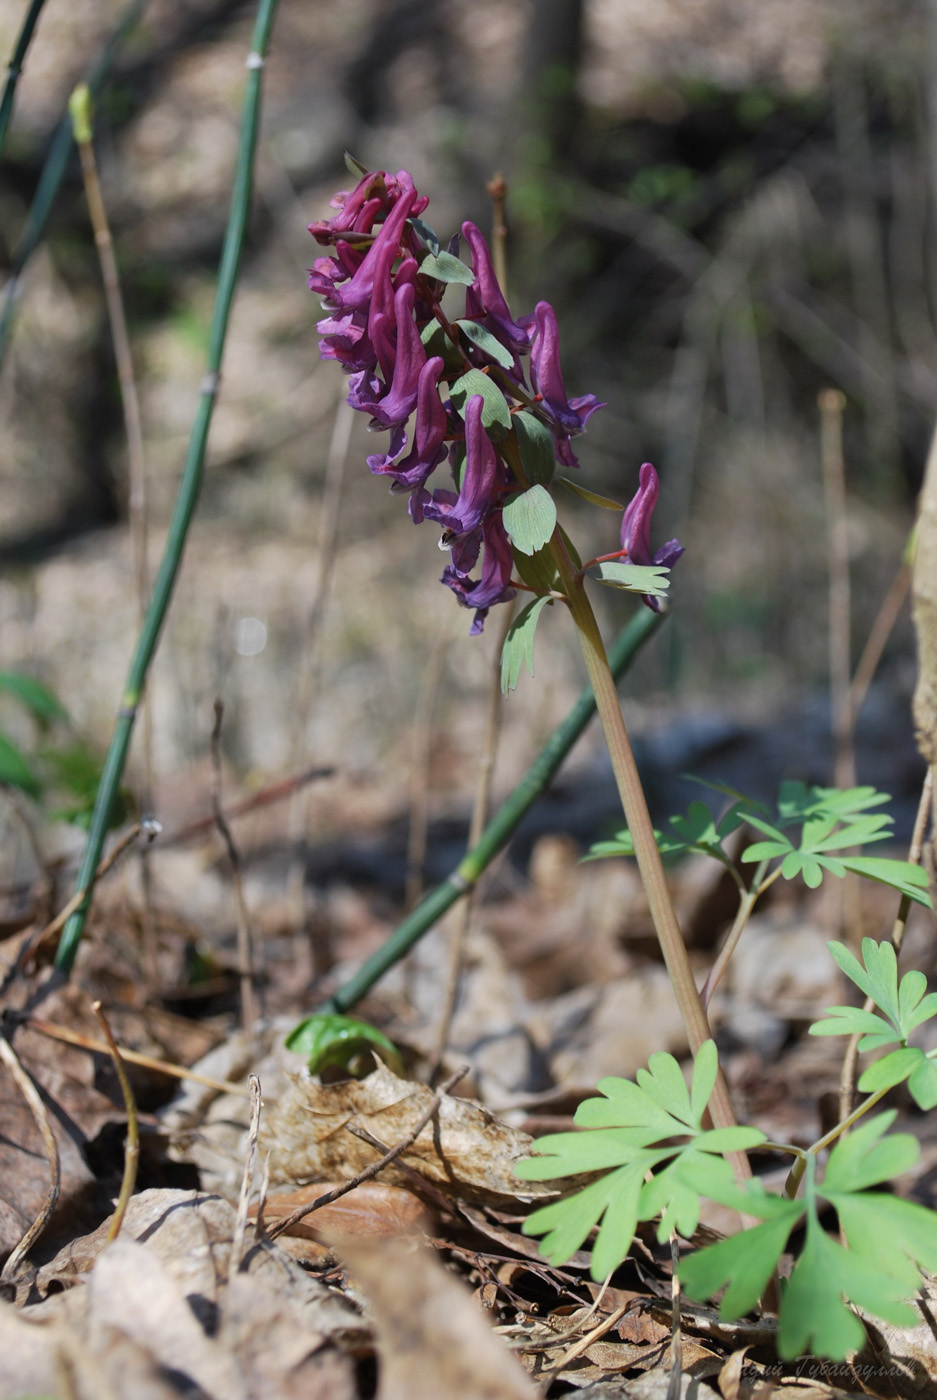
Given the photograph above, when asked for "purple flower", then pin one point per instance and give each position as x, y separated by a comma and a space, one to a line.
636, 529
462, 514
484, 300
494, 586
569, 415
429, 447
400, 351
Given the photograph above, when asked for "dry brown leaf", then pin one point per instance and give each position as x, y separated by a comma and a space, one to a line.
373, 1209
465, 1150
433, 1342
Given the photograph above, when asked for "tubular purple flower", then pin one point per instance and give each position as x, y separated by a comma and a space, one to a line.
636, 528
479, 479
356, 294
485, 299
547, 377
429, 447
405, 356
494, 586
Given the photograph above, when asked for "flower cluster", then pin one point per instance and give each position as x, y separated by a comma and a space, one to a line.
445, 389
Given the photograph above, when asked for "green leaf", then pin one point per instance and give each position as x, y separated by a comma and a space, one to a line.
890, 1233
923, 1084
890, 1069
483, 340
495, 412
427, 235
328, 1040
36, 697
745, 1262
538, 570
901, 875
814, 1316
649, 579
852, 1020
567, 1223
867, 1157
354, 166
15, 770
537, 448
592, 497
445, 267
530, 519
519, 644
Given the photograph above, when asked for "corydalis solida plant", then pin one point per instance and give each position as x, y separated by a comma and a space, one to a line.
483, 391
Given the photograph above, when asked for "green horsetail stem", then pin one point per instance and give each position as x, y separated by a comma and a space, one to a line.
187, 495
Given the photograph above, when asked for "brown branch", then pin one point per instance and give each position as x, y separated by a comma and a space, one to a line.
132, 1146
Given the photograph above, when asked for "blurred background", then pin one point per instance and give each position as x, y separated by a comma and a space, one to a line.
731, 207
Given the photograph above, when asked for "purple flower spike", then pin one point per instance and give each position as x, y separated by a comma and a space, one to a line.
636, 529
494, 586
356, 295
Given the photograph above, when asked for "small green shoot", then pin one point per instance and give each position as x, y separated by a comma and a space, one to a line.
330, 1041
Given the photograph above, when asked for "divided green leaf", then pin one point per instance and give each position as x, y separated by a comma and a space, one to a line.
649, 579
519, 644
633, 1131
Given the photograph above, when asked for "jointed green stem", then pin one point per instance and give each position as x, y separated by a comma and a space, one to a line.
188, 492
15, 67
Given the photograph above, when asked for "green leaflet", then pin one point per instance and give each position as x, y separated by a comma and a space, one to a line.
445, 267
530, 519
495, 412
519, 644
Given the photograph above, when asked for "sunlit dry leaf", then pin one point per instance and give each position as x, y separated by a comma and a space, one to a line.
433, 1341
466, 1151
373, 1210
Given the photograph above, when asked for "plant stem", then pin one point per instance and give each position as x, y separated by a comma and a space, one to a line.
638, 818
749, 899
797, 1170
498, 831
187, 497
53, 170
15, 67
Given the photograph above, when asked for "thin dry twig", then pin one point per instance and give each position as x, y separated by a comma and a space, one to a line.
133, 1057
585, 1343
240, 1224
245, 942
389, 1155
421, 765
676, 1326
38, 1109
132, 1146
